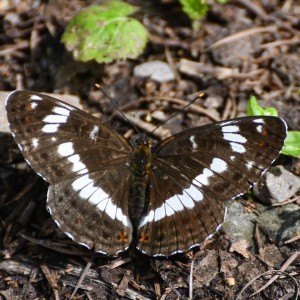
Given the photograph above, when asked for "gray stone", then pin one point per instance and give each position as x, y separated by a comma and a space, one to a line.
278, 223
156, 70
281, 223
277, 185
239, 225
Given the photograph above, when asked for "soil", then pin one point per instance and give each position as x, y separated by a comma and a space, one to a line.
239, 49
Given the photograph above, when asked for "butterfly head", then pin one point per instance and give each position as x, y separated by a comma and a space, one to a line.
143, 141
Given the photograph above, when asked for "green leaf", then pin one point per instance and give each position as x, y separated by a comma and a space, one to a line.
253, 109
105, 33
195, 9
292, 144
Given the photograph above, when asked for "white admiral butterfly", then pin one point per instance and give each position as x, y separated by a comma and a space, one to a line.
108, 195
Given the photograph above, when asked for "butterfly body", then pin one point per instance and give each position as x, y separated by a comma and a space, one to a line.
140, 167
107, 195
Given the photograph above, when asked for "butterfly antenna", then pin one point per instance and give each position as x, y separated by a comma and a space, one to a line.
117, 108
202, 95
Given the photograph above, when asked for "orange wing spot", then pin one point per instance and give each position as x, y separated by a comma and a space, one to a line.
261, 144
122, 237
28, 120
264, 132
28, 107
144, 237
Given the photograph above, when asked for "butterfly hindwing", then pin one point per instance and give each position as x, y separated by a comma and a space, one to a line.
196, 170
81, 158
91, 216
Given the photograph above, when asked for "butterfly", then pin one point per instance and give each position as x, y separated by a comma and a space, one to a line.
109, 195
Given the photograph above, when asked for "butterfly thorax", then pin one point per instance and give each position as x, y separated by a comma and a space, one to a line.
141, 157
140, 165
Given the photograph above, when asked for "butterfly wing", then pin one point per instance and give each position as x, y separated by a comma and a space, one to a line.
85, 163
196, 170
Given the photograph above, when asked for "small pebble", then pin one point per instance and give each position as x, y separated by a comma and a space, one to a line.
157, 70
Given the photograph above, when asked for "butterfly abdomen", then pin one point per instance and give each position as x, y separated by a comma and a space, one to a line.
139, 191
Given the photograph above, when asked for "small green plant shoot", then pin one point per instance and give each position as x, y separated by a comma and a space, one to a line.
195, 9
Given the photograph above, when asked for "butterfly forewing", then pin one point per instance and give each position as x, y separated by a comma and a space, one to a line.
82, 159
196, 170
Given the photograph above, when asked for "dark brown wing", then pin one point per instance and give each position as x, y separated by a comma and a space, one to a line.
92, 209
196, 170
85, 163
